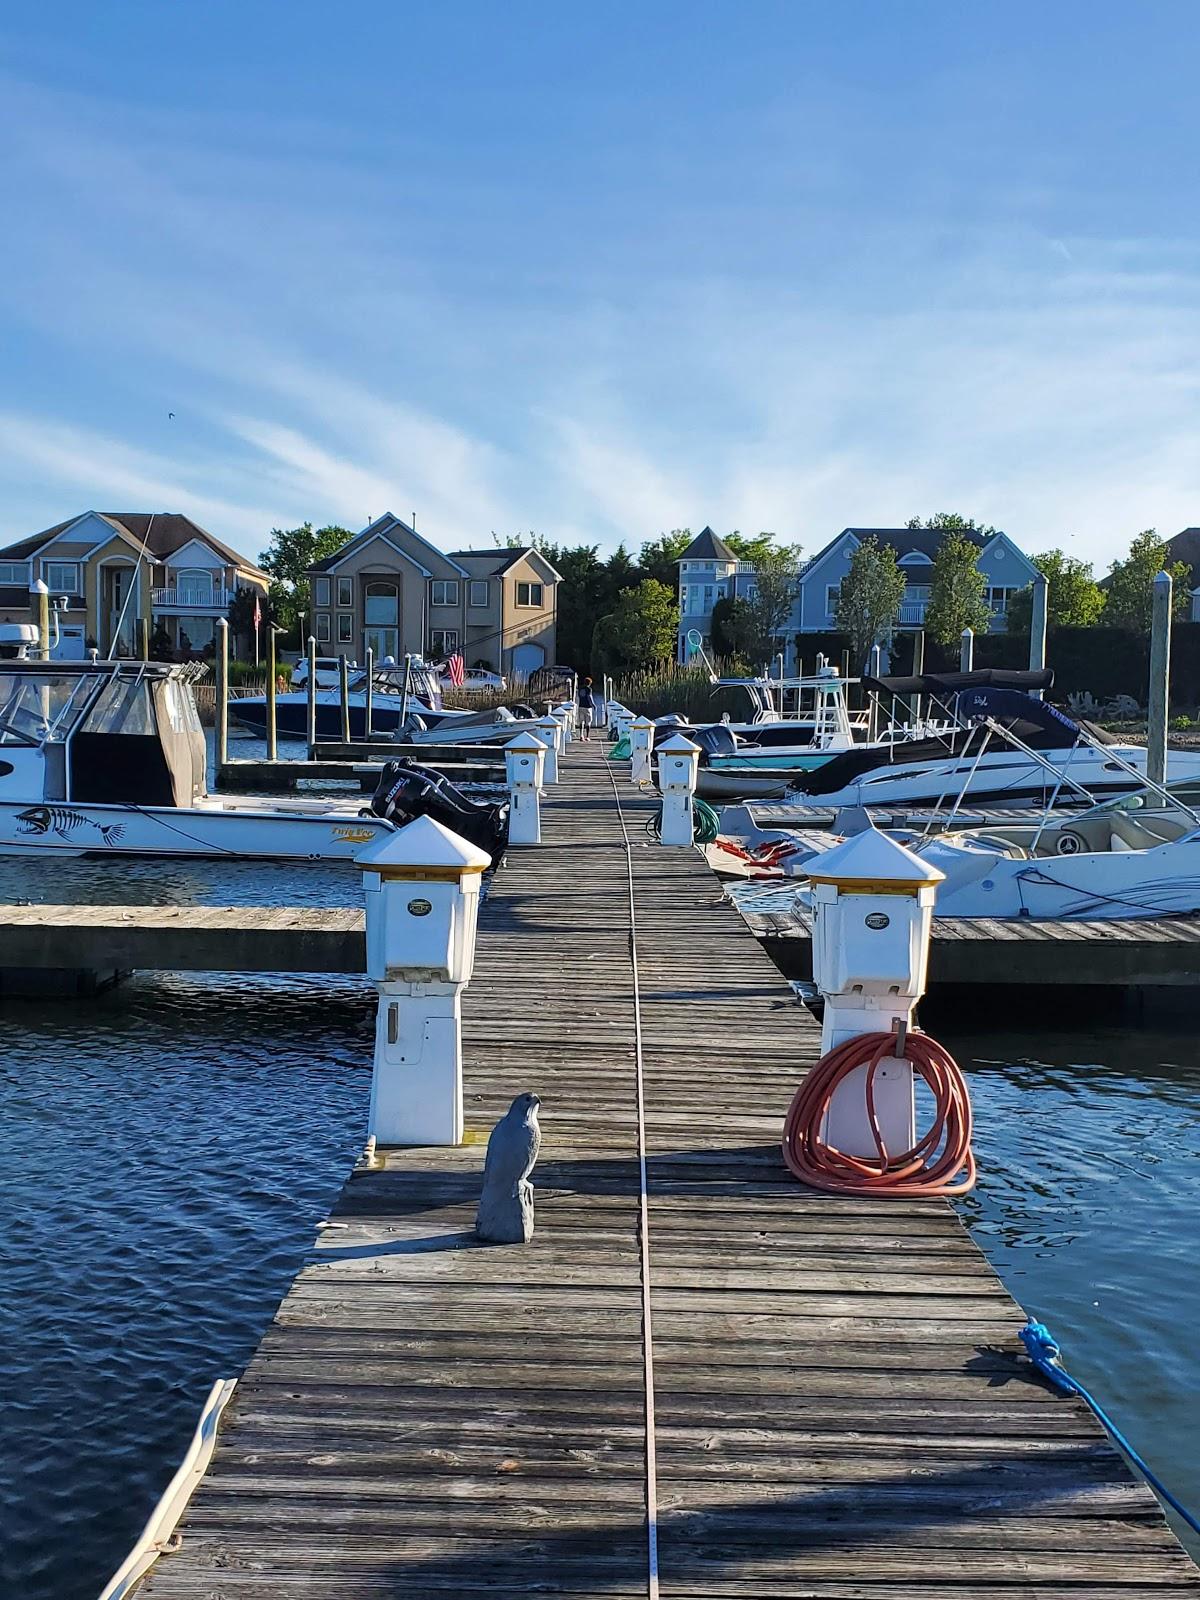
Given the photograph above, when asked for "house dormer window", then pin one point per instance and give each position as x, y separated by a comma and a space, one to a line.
443, 592
62, 577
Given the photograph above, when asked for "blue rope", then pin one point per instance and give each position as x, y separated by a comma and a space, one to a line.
1043, 1350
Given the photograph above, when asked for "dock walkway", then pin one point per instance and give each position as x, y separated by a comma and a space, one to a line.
782, 1394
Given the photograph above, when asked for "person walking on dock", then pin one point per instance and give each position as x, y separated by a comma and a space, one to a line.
585, 704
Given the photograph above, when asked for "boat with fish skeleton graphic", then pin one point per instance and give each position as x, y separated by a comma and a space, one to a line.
109, 757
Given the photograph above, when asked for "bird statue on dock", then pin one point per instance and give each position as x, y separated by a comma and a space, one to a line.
505, 1214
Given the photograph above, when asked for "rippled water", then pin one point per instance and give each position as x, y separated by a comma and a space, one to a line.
167, 1149
1089, 1147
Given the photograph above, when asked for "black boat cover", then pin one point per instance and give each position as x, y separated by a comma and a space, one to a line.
944, 684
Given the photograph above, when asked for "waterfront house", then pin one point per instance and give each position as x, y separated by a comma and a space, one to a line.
392, 591
709, 571
107, 570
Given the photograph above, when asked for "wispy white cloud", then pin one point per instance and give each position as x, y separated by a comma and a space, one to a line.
331, 354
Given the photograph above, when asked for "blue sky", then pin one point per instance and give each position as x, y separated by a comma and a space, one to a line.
600, 270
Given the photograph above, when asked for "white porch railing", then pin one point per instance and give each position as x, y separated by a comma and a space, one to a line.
186, 599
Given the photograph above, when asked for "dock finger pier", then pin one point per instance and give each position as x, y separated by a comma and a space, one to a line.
700, 1378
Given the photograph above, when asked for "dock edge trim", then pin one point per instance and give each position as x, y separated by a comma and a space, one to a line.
155, 1536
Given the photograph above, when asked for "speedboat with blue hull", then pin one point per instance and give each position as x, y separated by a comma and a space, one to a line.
392, 705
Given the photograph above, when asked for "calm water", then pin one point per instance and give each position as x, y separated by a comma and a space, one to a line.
168, 1148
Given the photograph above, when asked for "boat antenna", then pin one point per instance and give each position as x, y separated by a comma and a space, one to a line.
133, 587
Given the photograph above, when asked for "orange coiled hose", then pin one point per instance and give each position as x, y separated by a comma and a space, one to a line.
940, 1163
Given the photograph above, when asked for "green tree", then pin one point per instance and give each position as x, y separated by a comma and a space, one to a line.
1130, 583
956, 590
659, 558
776, 570
583, 595
951, 522
1074, 598
869, 596
288, 556
752, 548
639, 632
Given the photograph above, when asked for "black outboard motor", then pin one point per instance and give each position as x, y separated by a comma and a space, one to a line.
407, 791
716, 740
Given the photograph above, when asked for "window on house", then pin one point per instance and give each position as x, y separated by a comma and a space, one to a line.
321, 594
443, 642
709, 596
322, 622
997, 599
345, 627
381, 605
477, 592
529, 594
62, 577
14, 572
832, 590
345, 591
194, 584
443, 592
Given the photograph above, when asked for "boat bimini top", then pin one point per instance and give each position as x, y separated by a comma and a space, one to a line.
110, 732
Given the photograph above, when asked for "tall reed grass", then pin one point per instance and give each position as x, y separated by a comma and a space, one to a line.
687, 690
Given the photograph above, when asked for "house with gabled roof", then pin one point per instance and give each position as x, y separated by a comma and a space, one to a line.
1006, 570
392, 591
710, 571
107, 571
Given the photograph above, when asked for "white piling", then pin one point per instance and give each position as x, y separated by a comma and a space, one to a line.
641, 744
422, 896
678, 765
966, 651
524, 760
546, 729
873, 912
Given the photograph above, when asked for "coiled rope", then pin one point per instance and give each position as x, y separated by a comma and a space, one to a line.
940, 1163
1043, 1350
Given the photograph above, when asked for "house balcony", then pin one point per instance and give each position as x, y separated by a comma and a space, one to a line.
196, 600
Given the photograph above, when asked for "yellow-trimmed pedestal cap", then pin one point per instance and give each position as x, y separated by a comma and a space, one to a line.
872, 863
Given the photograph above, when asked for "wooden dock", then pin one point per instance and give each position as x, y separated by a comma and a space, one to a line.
43, 938
735, 1388
1157, 952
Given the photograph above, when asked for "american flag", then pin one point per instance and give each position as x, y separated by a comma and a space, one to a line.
454, 670
257, 612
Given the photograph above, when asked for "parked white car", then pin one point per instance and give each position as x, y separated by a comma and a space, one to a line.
475, 678
328, 670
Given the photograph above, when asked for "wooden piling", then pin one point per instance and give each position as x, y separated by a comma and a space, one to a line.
344, 697
1037, 626
1160, 680
222, 695
310, 718
272, 739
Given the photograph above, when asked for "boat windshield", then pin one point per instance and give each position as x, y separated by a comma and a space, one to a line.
41, 708
123, 706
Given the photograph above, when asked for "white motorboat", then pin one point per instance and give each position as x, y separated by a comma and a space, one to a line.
406, 703
108, 758
1007, 748
399, 694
